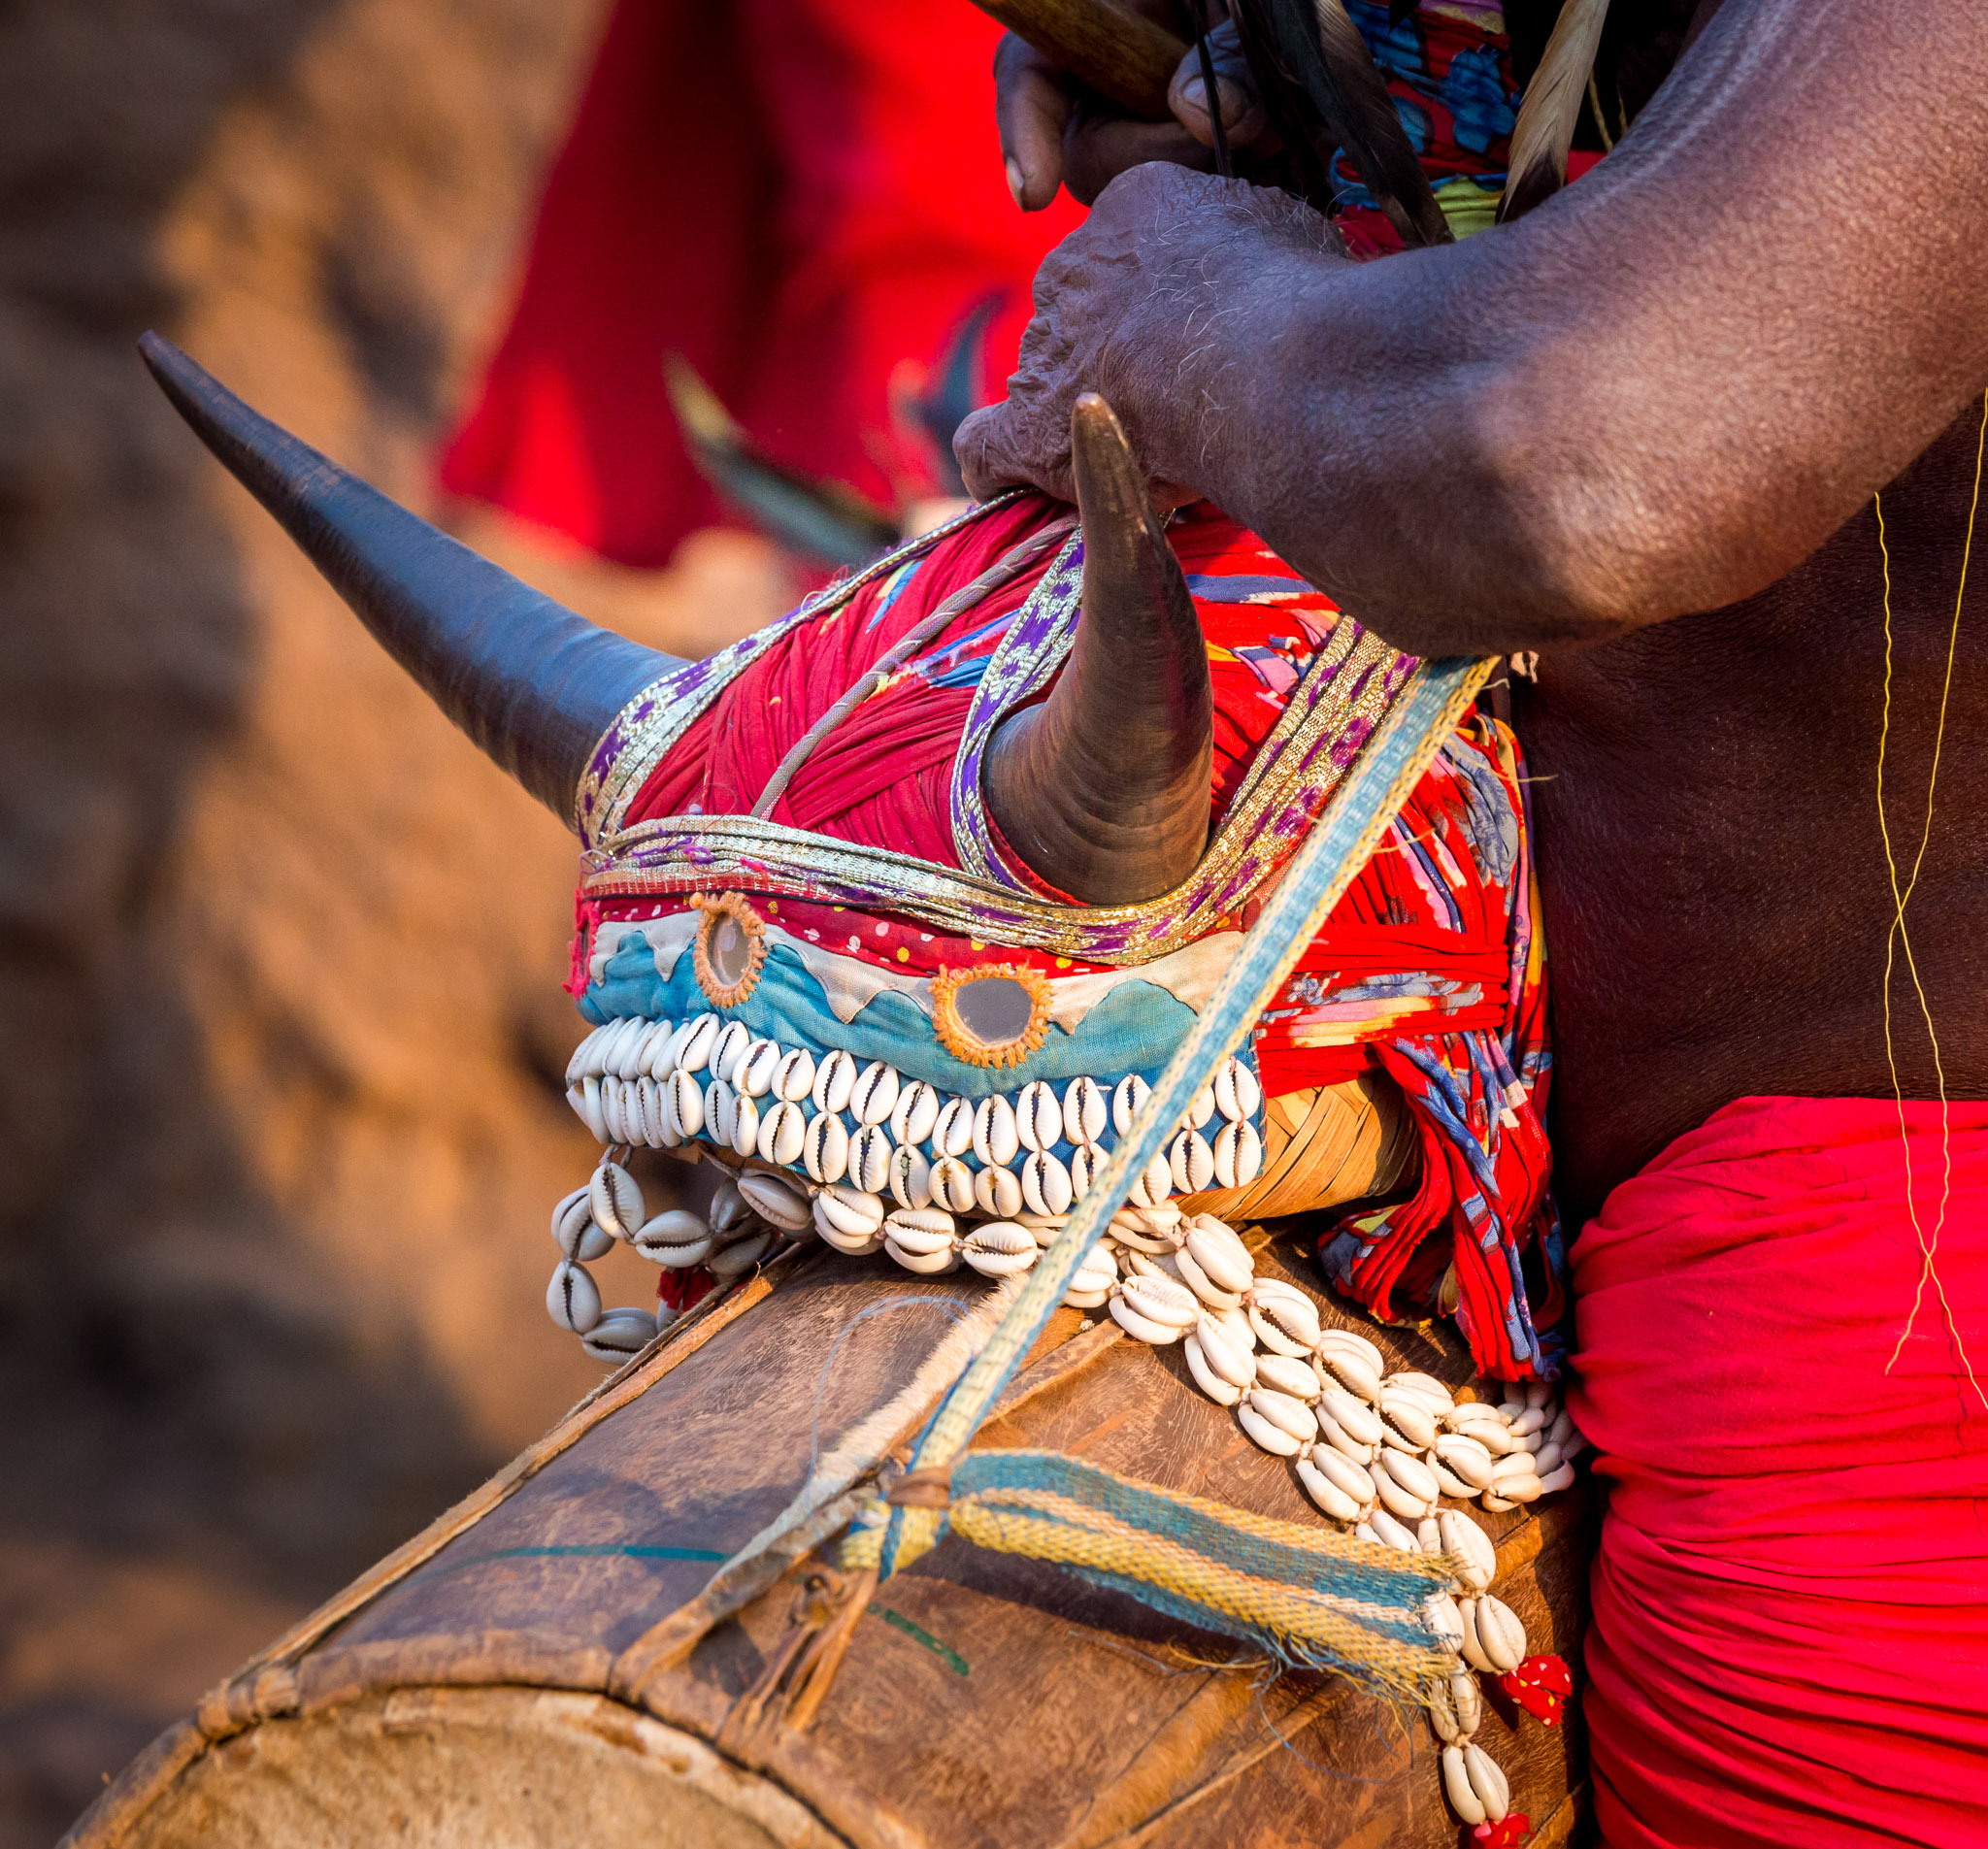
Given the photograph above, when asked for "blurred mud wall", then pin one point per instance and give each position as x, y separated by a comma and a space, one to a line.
280, 1026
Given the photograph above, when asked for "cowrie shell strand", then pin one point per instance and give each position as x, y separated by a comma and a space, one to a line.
775, 1199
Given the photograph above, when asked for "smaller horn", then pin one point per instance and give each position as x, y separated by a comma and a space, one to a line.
532, 684
1103, 789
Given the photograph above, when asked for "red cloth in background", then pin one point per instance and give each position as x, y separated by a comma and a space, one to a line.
797, 196
1790, 1638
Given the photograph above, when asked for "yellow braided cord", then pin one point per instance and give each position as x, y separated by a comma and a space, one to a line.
1309, 1628
1417, 723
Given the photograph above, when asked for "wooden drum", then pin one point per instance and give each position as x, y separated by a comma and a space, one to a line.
506, 1677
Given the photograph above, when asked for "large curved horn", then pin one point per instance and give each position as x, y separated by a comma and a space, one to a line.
1103, 789
531, 682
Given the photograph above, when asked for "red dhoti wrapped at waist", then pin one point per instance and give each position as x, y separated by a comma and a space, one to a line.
1790, 1640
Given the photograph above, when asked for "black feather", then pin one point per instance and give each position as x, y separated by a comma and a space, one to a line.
1322, 55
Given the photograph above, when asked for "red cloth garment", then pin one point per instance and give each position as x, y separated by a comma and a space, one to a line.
1790, 1636
800, 197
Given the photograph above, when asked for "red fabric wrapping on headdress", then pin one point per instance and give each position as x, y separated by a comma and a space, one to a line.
1430, 967
776, 191
1791, 1596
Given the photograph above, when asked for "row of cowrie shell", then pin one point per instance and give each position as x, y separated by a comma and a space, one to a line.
652, 1083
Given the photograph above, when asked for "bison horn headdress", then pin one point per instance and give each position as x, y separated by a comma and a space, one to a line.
1047, 897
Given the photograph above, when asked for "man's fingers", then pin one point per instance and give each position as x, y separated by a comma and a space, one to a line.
1242, 114
1032, 104
1098, 149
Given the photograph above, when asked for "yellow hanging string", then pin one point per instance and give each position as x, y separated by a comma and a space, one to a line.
1900, 935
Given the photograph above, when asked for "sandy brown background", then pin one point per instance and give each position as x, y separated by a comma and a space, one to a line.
279, 1021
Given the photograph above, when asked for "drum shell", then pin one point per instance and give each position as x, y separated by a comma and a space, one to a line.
490, 1687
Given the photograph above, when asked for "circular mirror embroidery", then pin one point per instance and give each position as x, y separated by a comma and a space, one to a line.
730, 948
991, 1013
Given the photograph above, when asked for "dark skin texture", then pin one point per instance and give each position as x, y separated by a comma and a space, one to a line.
1638, 432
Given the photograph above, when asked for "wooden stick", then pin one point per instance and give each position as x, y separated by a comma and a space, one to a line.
1118, 52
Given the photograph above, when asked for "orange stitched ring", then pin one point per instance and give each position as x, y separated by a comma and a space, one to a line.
730, 906
961, 1041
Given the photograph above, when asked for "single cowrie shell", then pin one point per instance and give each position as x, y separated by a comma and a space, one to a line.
1487, 1782
582, 1061
1352, 1373
1330, 1499
611, 1108
1456, 1707
1507, 1469
1411, 1474
1285, 1411
874, 1092
1390, 1533
850, 1220
999, 1248
726, 1051
1532, 1419
692, 1043
573, 1228
1224, 1392
775, 1199
1163, 1300
1546, 1460
1457, 1787
1443, 1617
1347, 1477
675, 1238
1140, 1327
1561, 1477
781, 1132
1085, 1160
1408, 1381
1128, 1100
1202, 1285
827, 1148
793, 1078
952, 1129
756, 1068
1037, 1116
1284, 1317
1359, 1420
1224, 1260
686, 1103
619, 1333
1404, 1502
619, 1032
1483, 1426
995, 1141
744, 1137
616, 1201
835, 1079
1493, 1504
585, 1100
740, 1257
1192, 1162
996, 1192
1085, 1112
1287, 1373
721, 1112
1237, 1154
1410, 1417
951, 1183
572, 1298
1465, 1458
925, 1264
922, 1231
662, 1058
870, 1158
1046, 1182
1233, 1360
916, 1112
1264, 1432
1200, 1108
655, 1115
1450, 1483
1336, 1436
1147, 1229
1237, 1092
1044, 1226
728, 1211
1475, 1556
1155, 1184
1517, 1489
910, 1177
1093, 1281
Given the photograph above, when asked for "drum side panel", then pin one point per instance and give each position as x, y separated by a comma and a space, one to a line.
473, 1768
